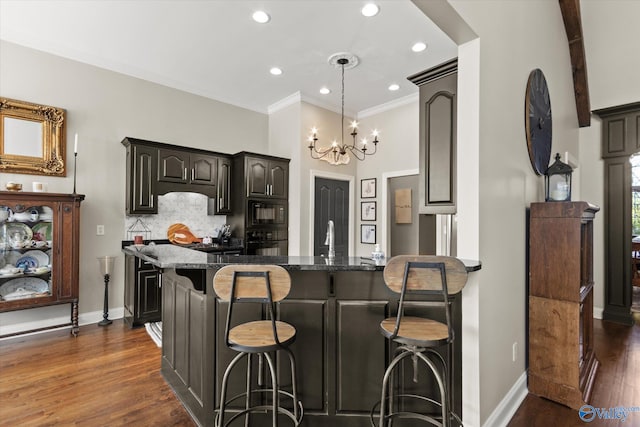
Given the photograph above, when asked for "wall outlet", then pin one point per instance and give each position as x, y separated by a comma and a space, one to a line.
514, 352
100, 230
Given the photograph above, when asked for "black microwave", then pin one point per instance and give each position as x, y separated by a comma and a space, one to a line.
266, 213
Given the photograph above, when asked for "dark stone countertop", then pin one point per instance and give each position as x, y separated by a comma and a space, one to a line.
172, 256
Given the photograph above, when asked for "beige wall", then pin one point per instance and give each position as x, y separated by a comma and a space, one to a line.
512, 43
103, 107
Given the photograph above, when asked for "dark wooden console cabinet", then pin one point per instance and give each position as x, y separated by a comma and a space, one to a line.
562, 360
54, 221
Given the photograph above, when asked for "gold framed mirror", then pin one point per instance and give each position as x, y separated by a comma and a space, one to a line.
32, 138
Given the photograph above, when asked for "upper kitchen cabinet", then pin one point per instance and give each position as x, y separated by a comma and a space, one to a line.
223, 202
266, 176
438, 112
141, 178
155, 168
185, 167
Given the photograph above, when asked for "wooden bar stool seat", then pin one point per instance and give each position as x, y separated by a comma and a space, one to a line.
418, 338
416, 331
267, 285
257, 336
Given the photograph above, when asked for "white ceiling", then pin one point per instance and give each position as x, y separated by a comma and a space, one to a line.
213, 48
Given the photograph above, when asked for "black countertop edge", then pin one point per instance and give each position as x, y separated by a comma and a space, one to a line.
172, 256
233, 245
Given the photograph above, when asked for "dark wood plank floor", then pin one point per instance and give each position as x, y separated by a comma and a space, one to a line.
617, 383
107, 376
110, 377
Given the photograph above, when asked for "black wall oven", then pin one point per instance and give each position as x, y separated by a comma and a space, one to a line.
268, 241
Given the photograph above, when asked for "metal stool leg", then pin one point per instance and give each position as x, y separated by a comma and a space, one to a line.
385, 381
223, 391
294, 382
443, 391
248, 401
274, 386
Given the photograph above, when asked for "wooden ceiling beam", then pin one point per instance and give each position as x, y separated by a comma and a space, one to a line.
573, 26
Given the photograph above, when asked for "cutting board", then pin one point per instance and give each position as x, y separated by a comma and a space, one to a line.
180, 234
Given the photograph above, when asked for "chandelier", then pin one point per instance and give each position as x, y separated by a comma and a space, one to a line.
338, 153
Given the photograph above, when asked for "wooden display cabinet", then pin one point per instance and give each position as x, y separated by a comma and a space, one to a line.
562, 360
39, 251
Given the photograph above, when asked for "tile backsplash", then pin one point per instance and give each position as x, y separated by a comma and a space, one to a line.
190, 209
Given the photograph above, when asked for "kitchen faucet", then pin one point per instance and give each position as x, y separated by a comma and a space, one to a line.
330, 240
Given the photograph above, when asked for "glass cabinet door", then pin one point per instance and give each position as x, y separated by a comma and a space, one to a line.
26, 253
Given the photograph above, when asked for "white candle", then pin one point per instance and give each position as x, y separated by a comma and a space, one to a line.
75, 146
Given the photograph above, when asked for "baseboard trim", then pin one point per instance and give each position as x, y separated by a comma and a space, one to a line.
509, 404
598, 312
83, 319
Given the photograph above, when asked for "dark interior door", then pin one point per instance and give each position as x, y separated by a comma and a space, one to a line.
331, 203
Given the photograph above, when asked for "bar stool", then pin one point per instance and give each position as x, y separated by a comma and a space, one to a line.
418, 337
265, 284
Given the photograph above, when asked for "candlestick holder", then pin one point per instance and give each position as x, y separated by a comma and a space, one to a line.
106, 269
75, 159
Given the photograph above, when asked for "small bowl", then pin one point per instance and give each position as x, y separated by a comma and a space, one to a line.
13, 186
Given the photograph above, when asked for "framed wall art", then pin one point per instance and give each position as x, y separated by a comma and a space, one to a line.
367, 211
367, 233
368, 188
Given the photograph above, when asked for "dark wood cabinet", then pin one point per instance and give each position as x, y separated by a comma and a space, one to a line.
155, 169
267, 177
562, 360
142, 293
438, 118
141, 179
42, 237
223, 202
260, 195
182, 166
339, 351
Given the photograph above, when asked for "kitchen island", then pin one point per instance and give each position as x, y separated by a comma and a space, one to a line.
336, 307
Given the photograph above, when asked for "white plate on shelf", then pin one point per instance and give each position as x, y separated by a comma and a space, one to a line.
23, 287
40, 257
18, 235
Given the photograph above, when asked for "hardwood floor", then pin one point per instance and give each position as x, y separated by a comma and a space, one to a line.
111, 377
107, 376
617, 383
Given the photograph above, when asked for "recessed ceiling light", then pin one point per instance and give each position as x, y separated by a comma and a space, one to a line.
418, 47
394, 87
325, 91
261, 17
370, 9
275, 71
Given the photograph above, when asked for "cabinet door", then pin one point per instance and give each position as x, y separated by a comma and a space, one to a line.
148, 298
142, 195
173, 166
257, 176
278, 179
438, 112
203, 169
223, 205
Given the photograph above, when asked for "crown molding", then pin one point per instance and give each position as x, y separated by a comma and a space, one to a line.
405, 100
